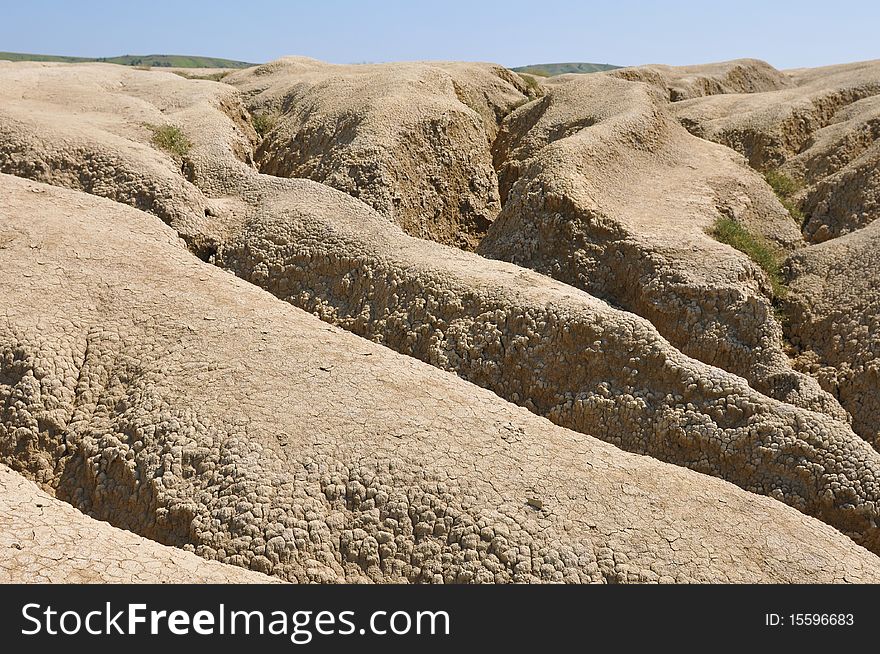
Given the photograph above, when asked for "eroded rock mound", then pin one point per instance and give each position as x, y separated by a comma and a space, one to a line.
834, 310
685, 82
410, 140
822, 132
231, 423
604, 191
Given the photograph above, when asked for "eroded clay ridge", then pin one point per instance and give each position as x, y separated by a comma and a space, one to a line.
834, 309
45, 540
88, 128
409, 139
193, 408
603, 371
685, 82
605, 191
823, 133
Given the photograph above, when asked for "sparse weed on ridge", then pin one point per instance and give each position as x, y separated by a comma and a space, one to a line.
756, 247
264, 122
785, 188
171, 139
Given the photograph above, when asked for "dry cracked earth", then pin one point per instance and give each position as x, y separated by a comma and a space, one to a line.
438, 322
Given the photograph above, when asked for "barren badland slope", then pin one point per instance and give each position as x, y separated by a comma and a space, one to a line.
458, 297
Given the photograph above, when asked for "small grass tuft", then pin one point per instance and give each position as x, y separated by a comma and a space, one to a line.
785, 188
783, 185
171, 139
533, 86
265, 122
756, 247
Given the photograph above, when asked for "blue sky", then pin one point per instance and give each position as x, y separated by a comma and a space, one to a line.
786, 33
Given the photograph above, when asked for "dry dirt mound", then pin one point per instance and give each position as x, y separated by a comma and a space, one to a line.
558, 351
45, 540
521, 334
685, 82
834, 313
88, 127
604, 191
411, 140
225, 420
822, 132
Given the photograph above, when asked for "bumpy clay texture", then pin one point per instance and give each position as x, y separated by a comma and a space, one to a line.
45, 540
237, 426
157, 392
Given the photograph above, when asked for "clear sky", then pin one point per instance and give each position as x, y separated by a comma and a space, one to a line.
786, 33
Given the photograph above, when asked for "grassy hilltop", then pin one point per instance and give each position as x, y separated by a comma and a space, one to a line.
160, 61
548, 70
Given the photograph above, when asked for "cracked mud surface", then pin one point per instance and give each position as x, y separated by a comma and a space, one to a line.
184, 404
45, 540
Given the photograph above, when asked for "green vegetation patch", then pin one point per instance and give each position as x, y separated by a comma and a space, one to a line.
532, 84
21, 56
155, 61
767, 256
175, 61
171, 139
548, 70
265, 122
785, 188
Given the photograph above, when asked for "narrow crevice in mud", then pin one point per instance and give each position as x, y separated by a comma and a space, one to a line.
69, 457
204, 250
309, 151
515, 127
453, 203
427, 168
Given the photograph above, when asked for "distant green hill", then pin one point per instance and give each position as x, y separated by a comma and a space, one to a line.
548, 70
159, 61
